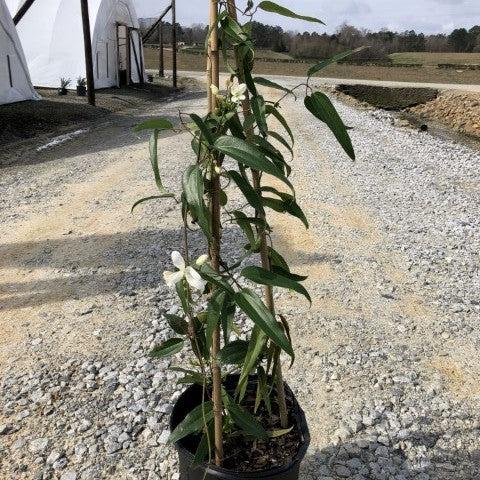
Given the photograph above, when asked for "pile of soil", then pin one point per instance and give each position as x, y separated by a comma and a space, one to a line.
457, 110
389, 98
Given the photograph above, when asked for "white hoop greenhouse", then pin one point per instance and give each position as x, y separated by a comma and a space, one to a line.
15, 84
52, 37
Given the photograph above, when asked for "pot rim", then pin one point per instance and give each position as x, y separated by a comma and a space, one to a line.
298, 415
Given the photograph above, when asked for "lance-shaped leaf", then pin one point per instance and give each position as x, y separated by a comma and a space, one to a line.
325, 63
152, 197
252, 305
321, 106
205, 445
210, 275
268, 83
233, 353
154, 124
167, 348
281, 140
271, 110
249, 155
207, 135
215, 306
258, 109
193, 189
265, 277
193, 422
273, 7
246, 421
177, 324
247, 189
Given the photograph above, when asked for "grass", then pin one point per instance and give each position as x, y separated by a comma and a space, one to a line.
408, 74
433, 59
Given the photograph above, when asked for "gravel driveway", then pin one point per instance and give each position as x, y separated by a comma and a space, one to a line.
387, 370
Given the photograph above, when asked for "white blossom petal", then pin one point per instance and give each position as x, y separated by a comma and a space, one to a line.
178, 260
194, 279
214, 89
172, 278
201, 260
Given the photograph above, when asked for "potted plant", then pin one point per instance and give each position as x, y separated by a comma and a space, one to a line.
237, 419
64, 83
81, 86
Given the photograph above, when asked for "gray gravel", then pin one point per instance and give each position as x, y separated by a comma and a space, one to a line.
387, 376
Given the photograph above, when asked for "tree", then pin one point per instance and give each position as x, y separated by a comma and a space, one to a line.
459, 40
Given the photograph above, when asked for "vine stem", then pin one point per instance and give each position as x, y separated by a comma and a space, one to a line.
265, 259
214, 247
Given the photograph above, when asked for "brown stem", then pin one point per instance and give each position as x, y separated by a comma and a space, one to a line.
214, 246
268, 290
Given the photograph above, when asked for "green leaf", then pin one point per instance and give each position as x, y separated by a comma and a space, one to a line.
279, 432
154, 161
265, 277
193, 189
252, 305
256, 347
167, 348
322, 108
325, 63
153, 197
233, 353
215, 306
281, 140
154, 124
182, 295
210, 275
204, 130
248, 154
205, 445
258, 109
247, 189
177, 324
273, 7
268, 83
277, 260
244, 224
271, 110
285, 273
246, 421
193, 422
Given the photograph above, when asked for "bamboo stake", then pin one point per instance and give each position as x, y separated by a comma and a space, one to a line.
213, 77
268, 290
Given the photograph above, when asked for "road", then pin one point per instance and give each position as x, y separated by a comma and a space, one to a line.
387, 365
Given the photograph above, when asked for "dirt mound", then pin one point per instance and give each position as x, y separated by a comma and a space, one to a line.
389, 98
457, 110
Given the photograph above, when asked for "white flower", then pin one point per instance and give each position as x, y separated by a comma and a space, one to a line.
189, 273
237, 93
201, 260
214, 89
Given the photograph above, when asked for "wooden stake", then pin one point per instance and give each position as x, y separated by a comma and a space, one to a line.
268, 290
87, 42
174, 43
161, 64
213, 77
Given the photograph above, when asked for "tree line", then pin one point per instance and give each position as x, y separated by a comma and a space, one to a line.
316, 45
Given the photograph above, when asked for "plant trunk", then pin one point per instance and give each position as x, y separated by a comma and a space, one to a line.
213, 77
268, 290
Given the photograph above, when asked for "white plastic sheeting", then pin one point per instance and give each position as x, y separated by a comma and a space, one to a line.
15, 84
52, 37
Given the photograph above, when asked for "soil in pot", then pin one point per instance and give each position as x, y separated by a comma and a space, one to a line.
81, 91
275, 458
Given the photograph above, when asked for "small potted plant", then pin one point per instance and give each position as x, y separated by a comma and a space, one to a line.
237, 419
81, 86
64, 83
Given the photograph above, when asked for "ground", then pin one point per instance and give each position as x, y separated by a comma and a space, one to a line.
387, 367
422, 73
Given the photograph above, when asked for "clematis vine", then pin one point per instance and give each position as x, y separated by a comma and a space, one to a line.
237, 93
189, 273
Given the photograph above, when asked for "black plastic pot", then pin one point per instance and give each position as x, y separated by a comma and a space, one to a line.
81, 90
192, 397
62, 91
150, 78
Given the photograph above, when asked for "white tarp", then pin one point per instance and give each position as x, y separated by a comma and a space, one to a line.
52, 37
15, 84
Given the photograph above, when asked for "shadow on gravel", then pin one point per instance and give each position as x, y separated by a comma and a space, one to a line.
108, 131
369, 460
82, 267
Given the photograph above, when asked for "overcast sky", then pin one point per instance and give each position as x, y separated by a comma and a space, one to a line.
428, 16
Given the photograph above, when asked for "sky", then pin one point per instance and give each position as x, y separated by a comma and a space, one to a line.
427, 16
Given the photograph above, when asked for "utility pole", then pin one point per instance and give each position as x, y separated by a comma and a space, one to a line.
161, 64
87, 41
174, 43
